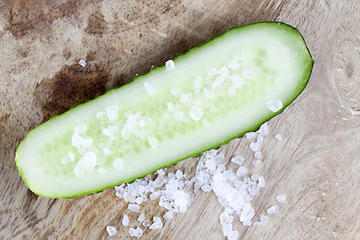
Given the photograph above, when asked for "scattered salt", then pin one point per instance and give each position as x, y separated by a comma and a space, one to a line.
111, 230
257, 224
125, 220
132, 232
263, 219
212, 71
218, 81
224, 72
146, 223
69, 157
90, 159
141, 218
126, 132
281, 198
107, 151
175, 91
76, 140
248, 74
273, 209
118, 163
153, 142
138, 232
157, 223
197, 84
278, 137
264, 129
79, 169
170, 65
134, 207
101, 170
237, 80
261, 183
257, 154
254, 146
168, 216
238, 160
196, 113
112, 112
232, 91
80, 129
256, 163
183, 97
82, 63
274, 105
150, 90
234, 65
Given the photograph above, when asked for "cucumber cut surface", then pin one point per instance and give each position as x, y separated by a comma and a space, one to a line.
203, 99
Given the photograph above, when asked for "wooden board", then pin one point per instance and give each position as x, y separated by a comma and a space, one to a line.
316, 164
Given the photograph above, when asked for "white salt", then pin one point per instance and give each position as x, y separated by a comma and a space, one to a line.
224, 72
100, 115
153, 142
126, 132
237, 80
256, 163
274, 105
125, 220
79, 169
90, 159
218, 81
212, 71
69, 157
82, 63
76, 140
264, 129
127, 114
112, 112
107, 151
171, 106
257, 224
260, 139
146, 223
134, 207
196, 113
183, 97
273, 209
141, 218
111, 230
168, 216
157, 224
170, 65
233, 235
263, 219
150, 90
234, 65
142, 122
113, 128
250, 135
281, 198
86, 142
118, 163
232, 91
261, 183
138, 232
205, 123
278, 137
241, 171
108, 132
238, 160
254, 146
132, 232
175, 91
80, 129
123, 148
197, 84
206, 94
248, 74
101, 170
224, 218
131, 123
257, 154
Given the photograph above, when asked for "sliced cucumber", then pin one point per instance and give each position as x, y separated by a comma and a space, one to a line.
212, 94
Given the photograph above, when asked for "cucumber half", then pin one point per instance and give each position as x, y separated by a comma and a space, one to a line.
203, 99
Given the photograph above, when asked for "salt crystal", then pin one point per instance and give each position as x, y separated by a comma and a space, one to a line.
281, 198
227, 228
69, 157
234, 65
159, 181
123, 148
210, 165
254, 177
112, 112
224, 218
118, 163
196, 113
263, 219
233, 235
76, 140
168, 216
274, 105
131, 123
126, 132
179, 175
153, 142
132, 232
100, 170
224, 71
238, 160
197, 84
257, 224
160, 172
150, 90
111, 230
127, 114
170, 65
206, 94
138, 232
157, 224
80, 129
134, 207
90, 159
237, 80
257, 154
141, 218
142, 122
107, 151
171, 106
212, 71
82, 63
178, 116
218, 81
273, 209
278, 137
176, 91
256, 163
183, 97
250, 135
146, 223
248, 74
232, 91
100, 115
108, 132
254, 146
264, 129
261, 183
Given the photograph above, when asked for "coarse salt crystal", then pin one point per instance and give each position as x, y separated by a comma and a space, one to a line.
90, 159
146, 223
138, 232
118, 163
261, 183
76, 140
241, 171
100, 114
278, 137
254, 146
224, 72
197, 84
250, 135
168, 216
79, 169
237, 80
281, 198
234, 65
134, 207
196, 113
69, 157
263, 219
274, 105
132, 232
256, 163
232, 91
112, 112
157, 224
264, 129
126, 132
150, 90
153, 142
125, 220
141, 218
248, 74
107, 151
183, 97
171, 106
100, 170
82, 63
273, 209
111, 230
175, 91
170, 65
257, 154
218, 81
212, 71
238, 160
80, 129
257, 224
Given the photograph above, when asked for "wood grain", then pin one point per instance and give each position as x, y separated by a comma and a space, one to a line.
316, 164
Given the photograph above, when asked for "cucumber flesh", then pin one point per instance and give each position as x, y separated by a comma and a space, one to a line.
202, 99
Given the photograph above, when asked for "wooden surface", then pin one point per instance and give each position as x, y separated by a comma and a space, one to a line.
316, 164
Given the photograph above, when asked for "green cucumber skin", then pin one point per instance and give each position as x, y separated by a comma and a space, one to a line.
300, 88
